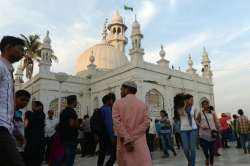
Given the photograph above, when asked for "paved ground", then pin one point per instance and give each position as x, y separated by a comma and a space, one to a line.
230, 157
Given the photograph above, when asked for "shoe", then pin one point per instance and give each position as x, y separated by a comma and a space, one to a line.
206, 163
217, 154
165, 156
245, 151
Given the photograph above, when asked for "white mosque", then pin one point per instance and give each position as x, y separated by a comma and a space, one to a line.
104, 67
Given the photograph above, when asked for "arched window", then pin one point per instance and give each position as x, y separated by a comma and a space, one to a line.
114, 30
53, 105
118, 30
136, 43
155, 100
96, 103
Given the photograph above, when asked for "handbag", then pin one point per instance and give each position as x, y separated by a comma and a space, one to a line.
214, 133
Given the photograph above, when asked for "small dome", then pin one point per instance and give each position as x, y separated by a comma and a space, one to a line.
106, 57
116, 18
136, 24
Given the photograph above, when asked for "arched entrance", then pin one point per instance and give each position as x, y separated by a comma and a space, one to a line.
155, 100
53, 105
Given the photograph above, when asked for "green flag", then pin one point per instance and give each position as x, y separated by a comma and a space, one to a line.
128, 8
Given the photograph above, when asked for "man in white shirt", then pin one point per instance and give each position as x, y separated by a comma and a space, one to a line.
151, 135
12, 50
50, 130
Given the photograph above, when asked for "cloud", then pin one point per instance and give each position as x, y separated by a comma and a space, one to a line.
237, 34
69, 47
179, 48
146, 13
172, 3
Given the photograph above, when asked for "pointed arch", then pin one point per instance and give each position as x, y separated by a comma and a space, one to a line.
155, 100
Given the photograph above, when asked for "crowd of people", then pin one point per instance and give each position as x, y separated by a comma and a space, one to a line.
121, 129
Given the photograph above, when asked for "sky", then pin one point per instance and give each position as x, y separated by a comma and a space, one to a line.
182, 26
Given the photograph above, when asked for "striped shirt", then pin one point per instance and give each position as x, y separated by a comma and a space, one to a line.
6, 94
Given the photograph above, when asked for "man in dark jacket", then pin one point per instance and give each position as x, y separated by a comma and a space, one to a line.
68, 126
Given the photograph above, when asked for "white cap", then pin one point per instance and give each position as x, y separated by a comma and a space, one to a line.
131, 84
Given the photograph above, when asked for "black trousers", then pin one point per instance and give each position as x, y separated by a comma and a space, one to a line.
89, 144
106, 147
34, 154
151, 141
48, 145
208, 149
9, 156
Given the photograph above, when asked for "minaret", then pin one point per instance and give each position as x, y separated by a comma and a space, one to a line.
46, 53
163, 62
117, 29
190, 69
206, 69
136, 52
19, 74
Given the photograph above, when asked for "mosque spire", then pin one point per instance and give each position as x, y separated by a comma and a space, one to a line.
117, 29
190, 69
206, 68
136, 52
46, 54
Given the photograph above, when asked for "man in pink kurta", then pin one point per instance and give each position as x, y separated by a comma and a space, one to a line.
131, 120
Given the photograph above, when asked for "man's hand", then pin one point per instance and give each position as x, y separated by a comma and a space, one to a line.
129, 147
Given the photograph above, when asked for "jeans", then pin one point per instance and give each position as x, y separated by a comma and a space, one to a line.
166, 143
70, 152
189, 139
8, 153
208, 150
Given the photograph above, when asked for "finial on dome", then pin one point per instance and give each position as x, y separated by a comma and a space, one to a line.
117, 12
162, 52
204, 49
92, 57
190, 61
47, 39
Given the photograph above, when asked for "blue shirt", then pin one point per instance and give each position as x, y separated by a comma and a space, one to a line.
107, 118
158, 127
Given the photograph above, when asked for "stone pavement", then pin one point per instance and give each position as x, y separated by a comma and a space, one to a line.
230, 157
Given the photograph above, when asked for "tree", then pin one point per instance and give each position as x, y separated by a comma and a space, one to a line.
33, 53
33, 45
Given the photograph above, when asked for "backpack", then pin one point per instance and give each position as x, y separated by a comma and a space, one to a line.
96, 123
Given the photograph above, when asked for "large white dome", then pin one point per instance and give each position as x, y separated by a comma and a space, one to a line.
106, 57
